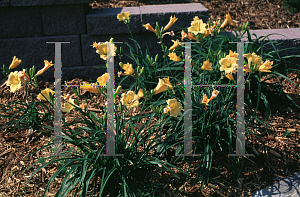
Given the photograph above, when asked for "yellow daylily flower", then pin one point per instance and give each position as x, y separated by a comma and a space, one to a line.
176, 44
228, 20
23, 76
229, 76
123, 15
47, 65
207, 66
103, 79
265, 67
14, 82
162, 85
128, 69
197, 26
127, 99
174, 57
150, 28
205, 100
255, 59
229, 64
171, 22
46, 94
68, 107
15, 62
90, 88
102, 50
174, 107
214, 94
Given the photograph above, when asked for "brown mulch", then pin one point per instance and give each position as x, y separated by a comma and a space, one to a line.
257, 173
261, 14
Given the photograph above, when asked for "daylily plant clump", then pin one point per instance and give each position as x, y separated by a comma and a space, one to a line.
158, 91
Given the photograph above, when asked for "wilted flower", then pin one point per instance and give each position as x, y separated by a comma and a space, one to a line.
247, 69
123, 16
171, 22
197, 26
150, 28
171, 33
90, 88
174, 107
83, 106
14, 82
162, 85
102, 49
176, 44
233, 54
174, 57
47, 65
45, 94
265, 67
14, 63
68, 107
207, 66
103, 79
188, 36
127, 99
214, 94
23, 76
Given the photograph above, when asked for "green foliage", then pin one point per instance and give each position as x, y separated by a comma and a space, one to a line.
292, 5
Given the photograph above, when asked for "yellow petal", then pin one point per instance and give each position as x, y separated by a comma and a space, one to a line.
45, 93
47, 65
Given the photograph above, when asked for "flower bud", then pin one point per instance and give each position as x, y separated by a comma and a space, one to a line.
142, 70
121, 64
138, 69
156, 58
119, 88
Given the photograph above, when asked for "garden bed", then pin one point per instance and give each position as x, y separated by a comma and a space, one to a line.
282, 160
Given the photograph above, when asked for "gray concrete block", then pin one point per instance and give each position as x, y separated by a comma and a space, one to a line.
90, 57
162, 13
33, 51
104, 21
21, 22
45, 2
289, 187
288, 38
64, 19
4, 3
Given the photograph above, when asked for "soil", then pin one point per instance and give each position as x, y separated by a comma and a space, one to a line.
261, 14
279, 160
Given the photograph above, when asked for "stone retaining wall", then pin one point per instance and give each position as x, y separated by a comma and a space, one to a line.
26, 26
